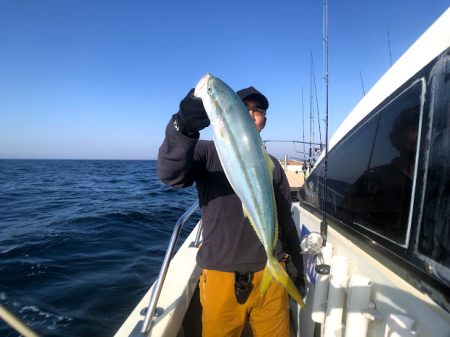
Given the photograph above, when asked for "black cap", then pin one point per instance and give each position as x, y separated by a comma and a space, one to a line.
252, 93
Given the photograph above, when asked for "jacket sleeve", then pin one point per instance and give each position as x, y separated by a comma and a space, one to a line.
175, 158
287, 230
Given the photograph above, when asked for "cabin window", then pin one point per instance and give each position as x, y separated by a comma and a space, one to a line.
346, 164
386, 187
380, 195
434, 234
370, 172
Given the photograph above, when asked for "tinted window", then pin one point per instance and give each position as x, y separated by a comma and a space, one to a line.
380, 198
434, 238
388, 182
345, 165
370, 172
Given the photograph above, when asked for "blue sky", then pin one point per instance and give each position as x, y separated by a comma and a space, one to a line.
100, 79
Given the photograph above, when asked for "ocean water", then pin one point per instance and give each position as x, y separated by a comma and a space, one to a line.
81, 241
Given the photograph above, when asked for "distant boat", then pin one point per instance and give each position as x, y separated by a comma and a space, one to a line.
385, 268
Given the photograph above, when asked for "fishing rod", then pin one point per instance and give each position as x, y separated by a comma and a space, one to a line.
303, 123
362, 83
315, 98
323, 224
311, 108
389, 45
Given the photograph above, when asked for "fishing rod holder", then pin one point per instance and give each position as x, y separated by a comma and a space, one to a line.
312, 244
151, 309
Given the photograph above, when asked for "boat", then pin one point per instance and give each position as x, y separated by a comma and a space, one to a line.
378, 263
383, 266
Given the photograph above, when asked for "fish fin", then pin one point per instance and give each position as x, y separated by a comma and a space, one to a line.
275, 211
267, 277
269, 162
271, 167
279, 274
247, 215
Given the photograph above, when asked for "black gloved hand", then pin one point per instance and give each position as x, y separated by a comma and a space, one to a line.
191, 117
293, 271
300, 285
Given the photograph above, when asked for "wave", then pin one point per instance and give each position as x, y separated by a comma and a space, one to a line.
81, 241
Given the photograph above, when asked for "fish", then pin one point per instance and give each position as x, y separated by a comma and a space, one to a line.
248, 168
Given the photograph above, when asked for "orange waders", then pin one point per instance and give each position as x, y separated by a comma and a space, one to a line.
224, 316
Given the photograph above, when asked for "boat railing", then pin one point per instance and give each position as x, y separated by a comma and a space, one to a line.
151, 309
311, 150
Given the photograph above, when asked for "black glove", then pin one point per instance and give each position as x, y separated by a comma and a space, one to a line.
296, 274
300, 284
191, 117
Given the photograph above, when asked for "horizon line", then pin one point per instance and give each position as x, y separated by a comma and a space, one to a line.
105, 159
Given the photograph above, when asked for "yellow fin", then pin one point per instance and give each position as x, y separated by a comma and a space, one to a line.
267, 277
280, 275
247, 215
271, 167
269, 162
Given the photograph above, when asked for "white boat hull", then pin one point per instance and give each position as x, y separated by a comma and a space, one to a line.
179, 286
391, 297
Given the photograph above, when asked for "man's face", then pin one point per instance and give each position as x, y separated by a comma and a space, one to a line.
257, 112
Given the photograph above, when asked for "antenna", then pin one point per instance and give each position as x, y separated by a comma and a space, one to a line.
323, 224
389, 45
362, 83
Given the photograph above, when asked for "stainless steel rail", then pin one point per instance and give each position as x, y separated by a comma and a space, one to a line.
16, 323
198, 237
151, 309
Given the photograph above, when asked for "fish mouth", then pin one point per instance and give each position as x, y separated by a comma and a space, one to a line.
202, 86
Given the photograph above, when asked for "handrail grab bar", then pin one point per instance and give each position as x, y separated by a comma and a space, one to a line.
198, 237
165, 266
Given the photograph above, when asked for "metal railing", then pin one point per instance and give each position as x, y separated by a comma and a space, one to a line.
151, 309
16, 323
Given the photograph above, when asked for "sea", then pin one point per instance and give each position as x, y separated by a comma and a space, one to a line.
81, 241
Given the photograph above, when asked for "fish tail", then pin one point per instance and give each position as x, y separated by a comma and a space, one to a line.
274, 270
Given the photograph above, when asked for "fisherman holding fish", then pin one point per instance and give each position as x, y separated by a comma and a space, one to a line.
245, 202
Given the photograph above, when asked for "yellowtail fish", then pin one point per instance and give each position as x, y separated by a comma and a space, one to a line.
248, 168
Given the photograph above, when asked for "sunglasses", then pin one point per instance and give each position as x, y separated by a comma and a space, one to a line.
257, 110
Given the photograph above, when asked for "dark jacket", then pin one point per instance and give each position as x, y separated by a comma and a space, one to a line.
229, 241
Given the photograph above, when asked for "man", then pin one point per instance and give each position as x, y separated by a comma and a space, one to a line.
231, 255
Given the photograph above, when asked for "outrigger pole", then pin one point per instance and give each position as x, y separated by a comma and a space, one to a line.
323, 224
